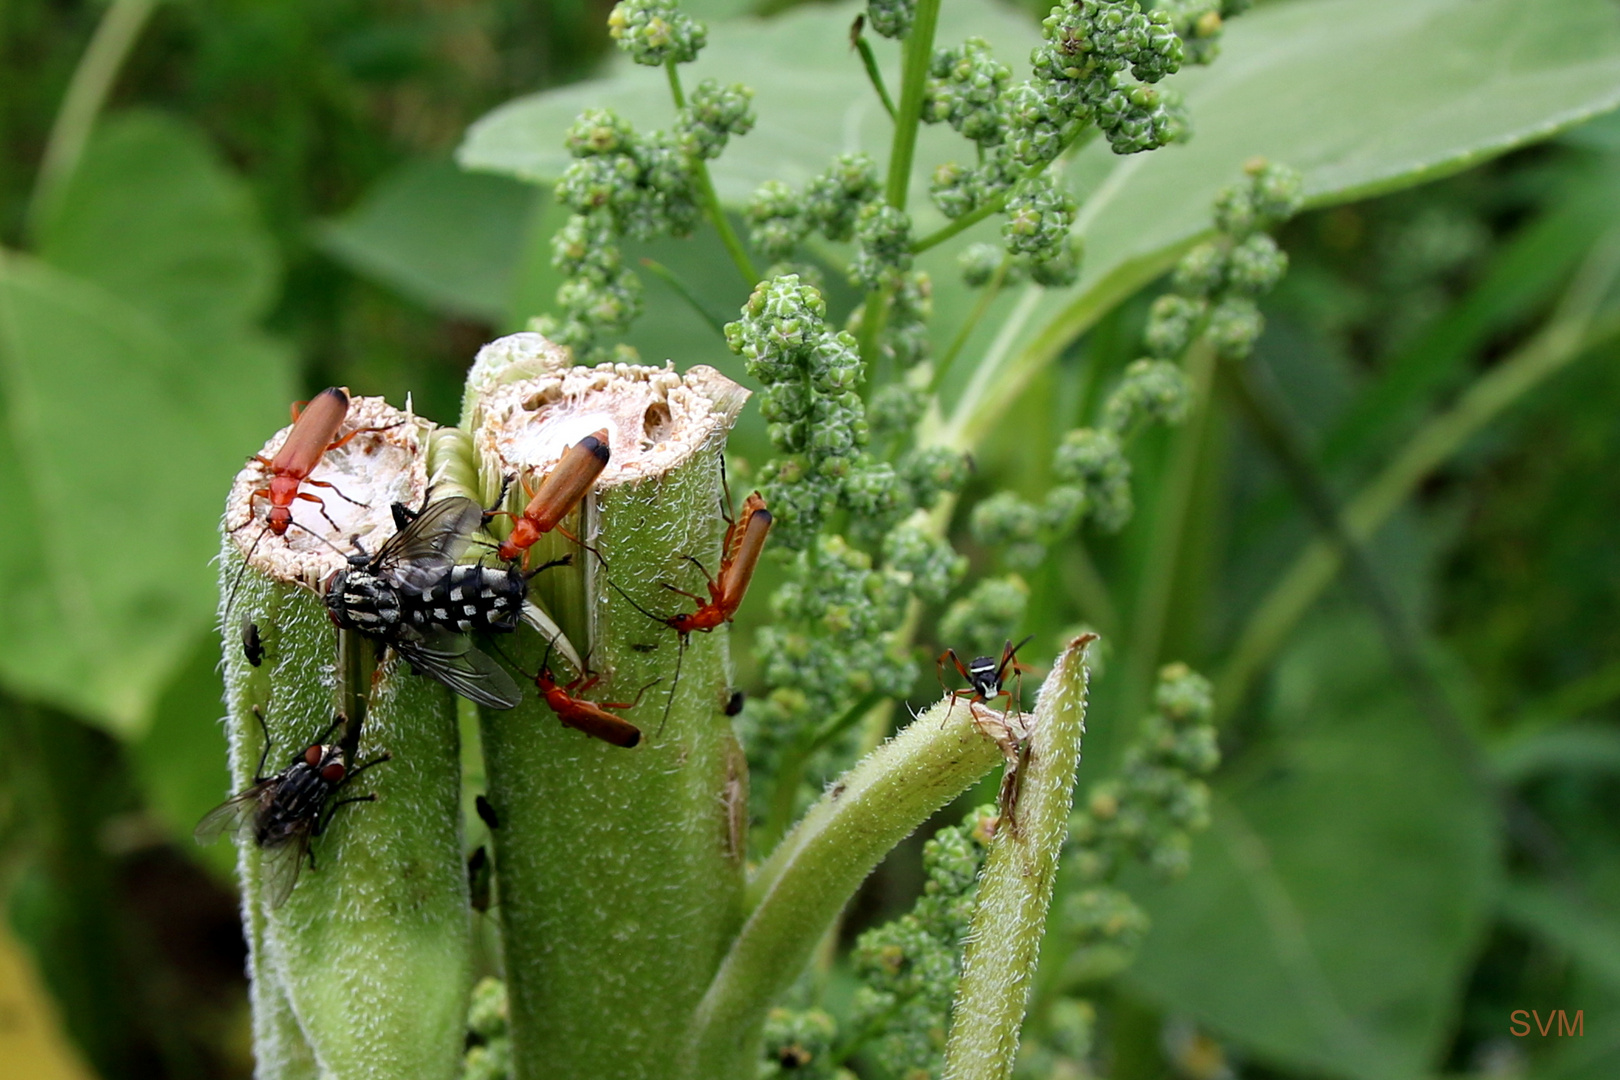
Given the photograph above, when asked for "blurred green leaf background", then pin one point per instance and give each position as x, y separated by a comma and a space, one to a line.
278, 197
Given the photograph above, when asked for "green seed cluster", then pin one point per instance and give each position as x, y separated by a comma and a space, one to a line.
1150, 810
1092, 472
882, 245
1199, 23
1216, 284
811, 404
656, 32
799, 1044
909, 968
490, 1056
965, 88
711, 116
780, 218
891, 18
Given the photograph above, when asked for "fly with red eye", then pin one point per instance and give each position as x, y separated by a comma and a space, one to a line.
284, 812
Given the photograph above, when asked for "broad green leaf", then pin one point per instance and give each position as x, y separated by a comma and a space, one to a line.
118, 439
1338, 898
152, 216
811, 96
447, 238
1362, 96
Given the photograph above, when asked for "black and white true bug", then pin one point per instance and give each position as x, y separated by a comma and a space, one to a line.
986, 675
285, 811
402, 597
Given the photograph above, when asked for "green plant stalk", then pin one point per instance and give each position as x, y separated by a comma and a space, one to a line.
803, 886
710, 199
918, 55
790, 774
363, 972
1078, 137
1015, 888
621, 870
869, 60
1152, 605
1571, 333
87, 91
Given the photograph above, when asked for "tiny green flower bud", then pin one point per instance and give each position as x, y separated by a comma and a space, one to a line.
891, 18
777, 219
834, 199
1152, 390
1039, 216
1171, 321
1255, 265
1201, 271
654, 32
883, 245
1234, 326
1005, 518
712, 115
979, 262
966, 90
1095, 460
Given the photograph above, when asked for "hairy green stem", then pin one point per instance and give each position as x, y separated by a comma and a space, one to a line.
1015, 888
710, 199
362, 972
1572, 332
620, 869
801, 888
790, 774
86, 94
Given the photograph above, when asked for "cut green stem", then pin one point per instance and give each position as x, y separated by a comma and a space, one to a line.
804, 884
710, 200
1015, 888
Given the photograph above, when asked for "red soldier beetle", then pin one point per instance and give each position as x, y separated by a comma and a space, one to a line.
557, 494
743, 544
315, 431
590, 717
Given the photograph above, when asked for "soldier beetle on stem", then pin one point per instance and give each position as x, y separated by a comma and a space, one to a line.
557, 494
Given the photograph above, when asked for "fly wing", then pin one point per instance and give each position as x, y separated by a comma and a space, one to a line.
279, 866
452, 659
233, 815
418, 555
